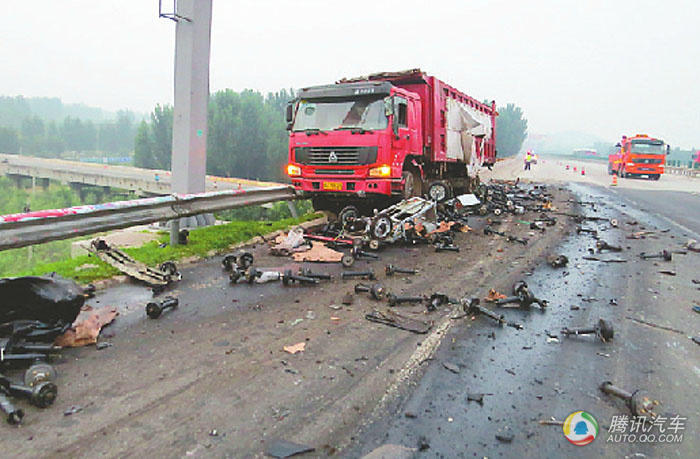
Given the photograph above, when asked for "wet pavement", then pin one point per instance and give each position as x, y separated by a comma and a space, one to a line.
530, 376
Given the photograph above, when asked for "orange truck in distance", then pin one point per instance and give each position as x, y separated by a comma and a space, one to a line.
638, 156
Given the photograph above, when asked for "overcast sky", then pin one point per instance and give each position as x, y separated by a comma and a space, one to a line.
603, 67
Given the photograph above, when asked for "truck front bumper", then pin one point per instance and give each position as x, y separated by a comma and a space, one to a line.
332, 185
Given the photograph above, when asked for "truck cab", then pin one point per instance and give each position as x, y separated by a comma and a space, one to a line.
638, 156
374, 140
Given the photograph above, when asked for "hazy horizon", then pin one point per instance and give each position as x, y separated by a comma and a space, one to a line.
604, 68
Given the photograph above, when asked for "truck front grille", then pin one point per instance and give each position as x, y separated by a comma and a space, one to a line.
335, 156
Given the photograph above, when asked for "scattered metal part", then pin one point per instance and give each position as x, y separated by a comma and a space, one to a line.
359, 253
156, 278
393, 319
347, 260
347, 299
602, 245
155, 309
73, 410
288, 278
308, 273
14, 415
376, 290
369, 274
41, 394
394, 300
605, 260
668, 272
443, 247
391, 269
558, 261
39, 372
472, 306
523, 296
666, 255
451, 367
436, 300
638, 401
550, 422
603, 330
581, 229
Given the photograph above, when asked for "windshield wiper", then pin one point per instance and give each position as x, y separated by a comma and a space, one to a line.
353, 129
311, 131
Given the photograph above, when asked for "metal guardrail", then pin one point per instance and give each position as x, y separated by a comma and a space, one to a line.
682, 171
21, 230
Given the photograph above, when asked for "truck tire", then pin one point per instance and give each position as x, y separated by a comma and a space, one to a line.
439, 191
412, 184
655, 176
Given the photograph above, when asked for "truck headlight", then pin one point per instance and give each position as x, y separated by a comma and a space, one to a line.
293, 171
630, 164
381, 171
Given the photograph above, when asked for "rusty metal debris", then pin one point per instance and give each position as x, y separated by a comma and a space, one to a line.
315, 275
494, 296
13, 415
394, 300
391, 269
157, 279
369, 274
639, 402
394, 319
42, 394
510, 238
155, 309
522, 296
603, 330
87, 326
375, 290
288, 278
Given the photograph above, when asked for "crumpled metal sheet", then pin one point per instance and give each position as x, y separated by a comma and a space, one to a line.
87, 326
48, 299
320, 253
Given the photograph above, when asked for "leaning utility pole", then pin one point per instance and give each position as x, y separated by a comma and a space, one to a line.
192, 49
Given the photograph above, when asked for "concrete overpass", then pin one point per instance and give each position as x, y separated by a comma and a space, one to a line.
79, 175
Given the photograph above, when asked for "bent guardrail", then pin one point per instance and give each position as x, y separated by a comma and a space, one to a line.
21, 230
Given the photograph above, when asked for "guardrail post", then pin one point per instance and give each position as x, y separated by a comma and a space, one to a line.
292, 209
174, 231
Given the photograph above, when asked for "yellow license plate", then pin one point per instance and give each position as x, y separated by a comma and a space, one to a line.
333, 186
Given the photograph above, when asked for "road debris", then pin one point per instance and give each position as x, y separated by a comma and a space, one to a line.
14, 416
157, 279
87, 326
154, 309
557, 261
282, 448
395, 300
603, 330
601, 245
472, 306
476, 397
375, 290
318, 253
523, 296
295, 348
494, 296
369, 274
393, 319
665, 255
451, 366
639, 402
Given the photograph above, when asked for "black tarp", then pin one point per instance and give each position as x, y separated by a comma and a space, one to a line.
50, 299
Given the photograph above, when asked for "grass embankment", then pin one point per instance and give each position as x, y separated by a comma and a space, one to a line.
202, 241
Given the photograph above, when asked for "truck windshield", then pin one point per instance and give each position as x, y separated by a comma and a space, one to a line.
324, 115
647, 148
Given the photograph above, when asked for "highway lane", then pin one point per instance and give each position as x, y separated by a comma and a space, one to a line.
681, 208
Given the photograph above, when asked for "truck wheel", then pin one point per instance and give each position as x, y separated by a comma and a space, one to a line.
347, 214
438, 191
412, 184
655, 176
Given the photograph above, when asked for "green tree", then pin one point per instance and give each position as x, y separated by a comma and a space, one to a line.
143, 151
511, 130
9, 140
32, 135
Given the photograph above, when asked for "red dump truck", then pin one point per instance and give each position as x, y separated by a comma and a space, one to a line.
373, 140
638, 156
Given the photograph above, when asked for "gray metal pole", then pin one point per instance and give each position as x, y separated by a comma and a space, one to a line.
192, 50
292, 209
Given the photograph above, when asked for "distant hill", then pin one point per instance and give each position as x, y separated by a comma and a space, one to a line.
15, 109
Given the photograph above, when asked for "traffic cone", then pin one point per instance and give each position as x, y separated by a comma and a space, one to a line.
574, 168
583, 171
614, 178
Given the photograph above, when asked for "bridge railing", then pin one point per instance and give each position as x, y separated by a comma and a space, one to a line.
21, 230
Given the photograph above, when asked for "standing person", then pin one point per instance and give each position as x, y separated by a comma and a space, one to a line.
528, 160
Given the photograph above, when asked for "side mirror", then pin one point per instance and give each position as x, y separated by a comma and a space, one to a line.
388, 106
290, 115
668, 149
